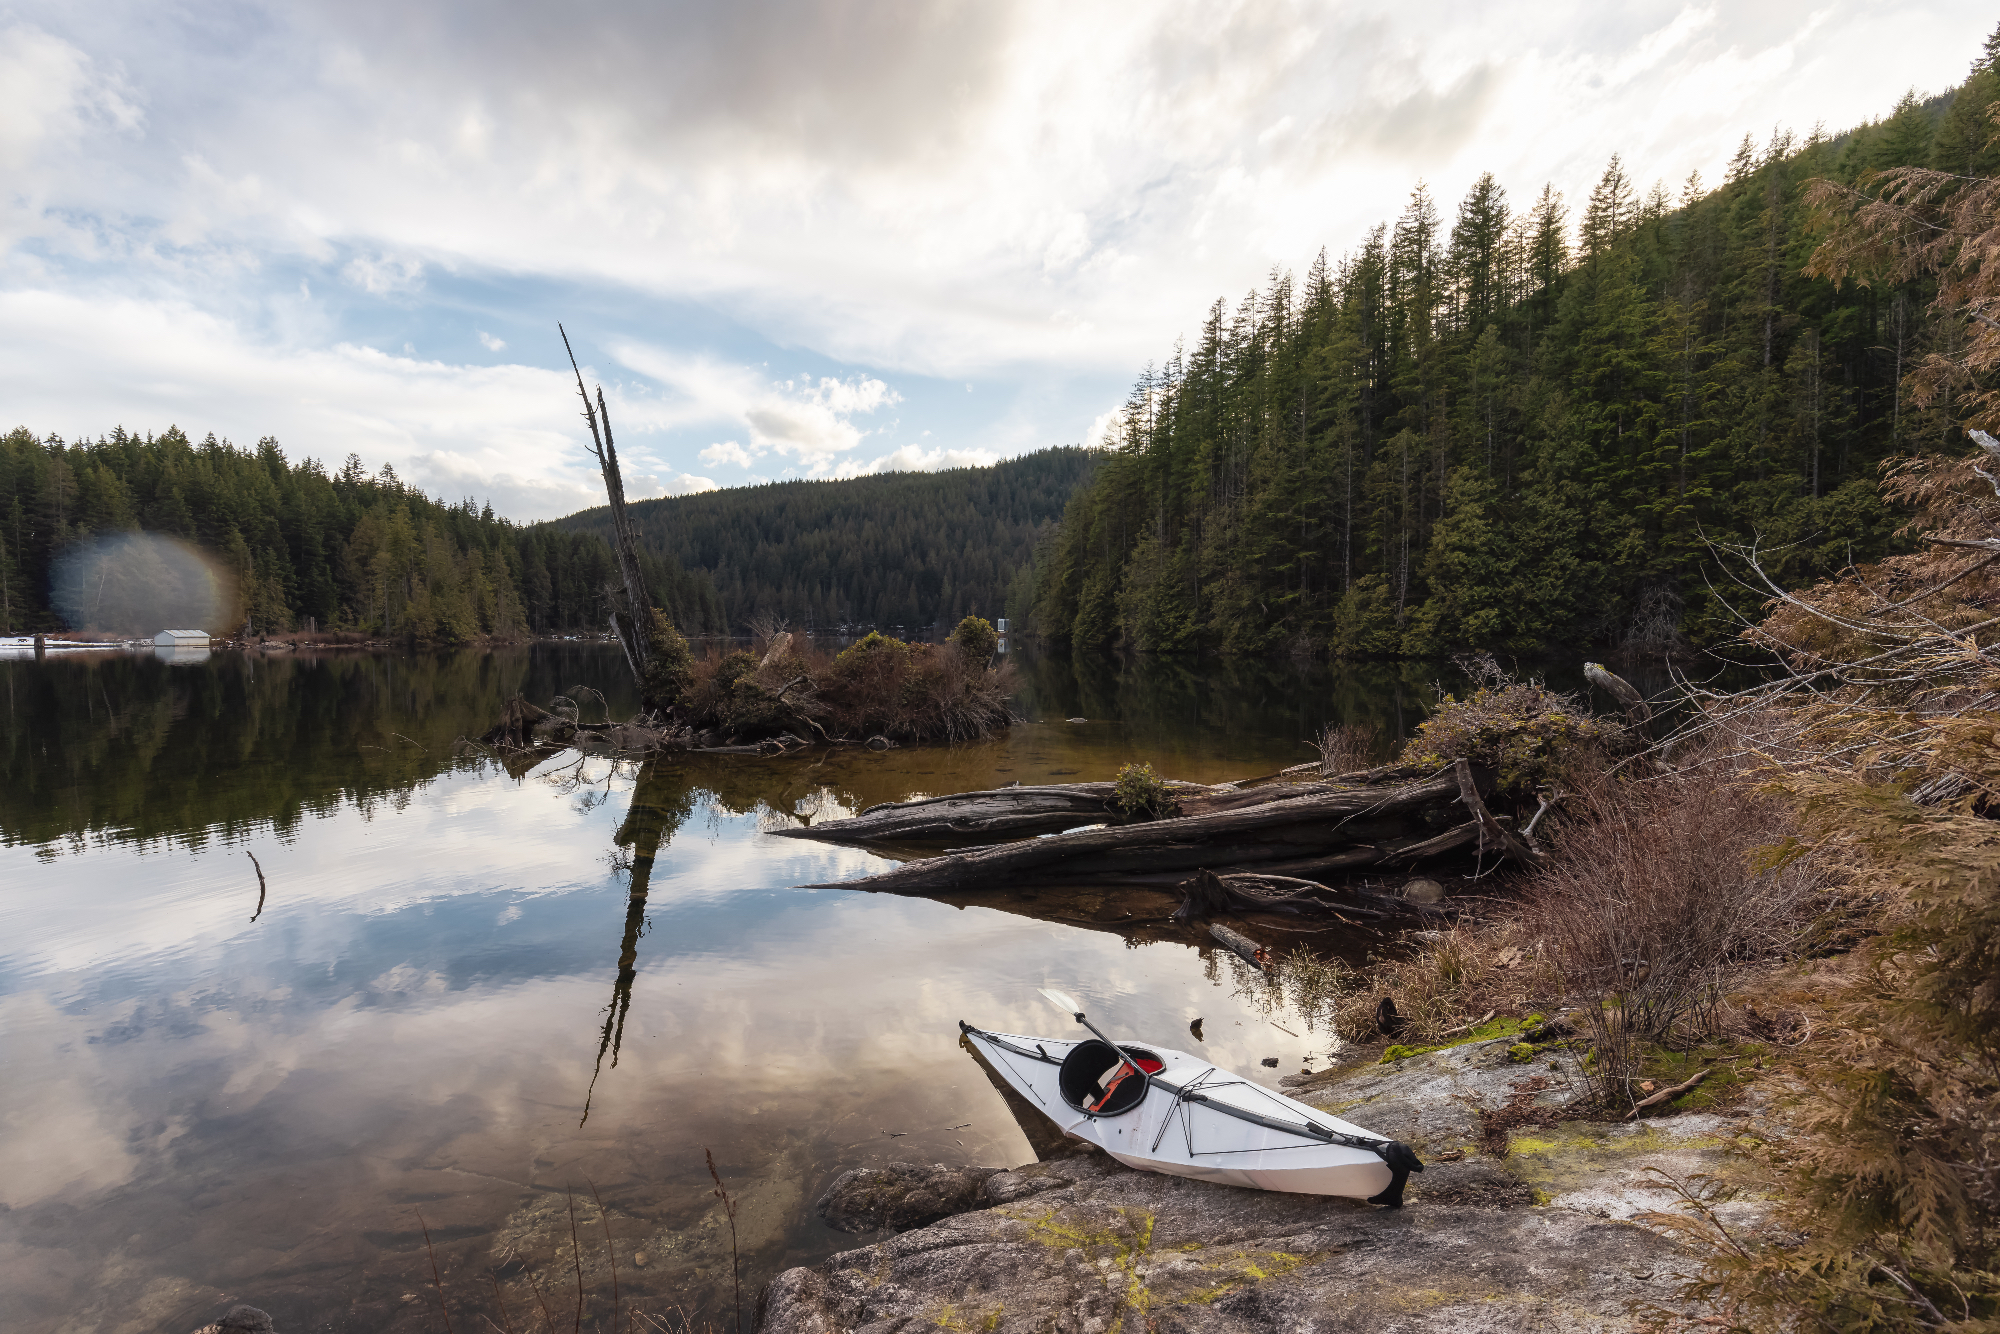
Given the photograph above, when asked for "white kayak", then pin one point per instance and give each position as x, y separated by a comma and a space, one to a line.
1168, 1111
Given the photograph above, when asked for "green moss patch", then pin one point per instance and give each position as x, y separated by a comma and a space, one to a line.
1486, 1032
1245, 1268
1730, 1067
1579, 1155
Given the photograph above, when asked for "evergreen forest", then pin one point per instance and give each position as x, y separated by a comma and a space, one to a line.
309, 549
1511, 428
905, 551
1506, 429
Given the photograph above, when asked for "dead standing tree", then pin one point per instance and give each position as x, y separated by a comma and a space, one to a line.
630, 607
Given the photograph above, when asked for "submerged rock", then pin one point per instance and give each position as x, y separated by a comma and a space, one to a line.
1424, 891
241, 1320
901, 1196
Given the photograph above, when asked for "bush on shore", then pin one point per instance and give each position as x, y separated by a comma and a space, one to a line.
1526, 733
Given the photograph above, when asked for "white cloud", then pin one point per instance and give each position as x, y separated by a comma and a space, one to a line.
912, 458
380, 275
506, 432
646, 485
1024, 194
812, 423
726, 451
804, 419
1107, 428
490, 343
51, 94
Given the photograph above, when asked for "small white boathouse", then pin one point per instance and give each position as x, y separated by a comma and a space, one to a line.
181, 639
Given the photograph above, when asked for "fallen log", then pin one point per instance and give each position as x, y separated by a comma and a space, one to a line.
1405, 852
1493, 836
1637, 712
1016, 811
1282, 829
1053, 808
1240, 945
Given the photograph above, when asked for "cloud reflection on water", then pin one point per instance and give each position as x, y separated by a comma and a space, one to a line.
199, 1106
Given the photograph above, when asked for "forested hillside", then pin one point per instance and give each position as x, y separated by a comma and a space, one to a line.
341, 551
1499, 430
894, 549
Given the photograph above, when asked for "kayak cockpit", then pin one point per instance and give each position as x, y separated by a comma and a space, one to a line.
1099, 1081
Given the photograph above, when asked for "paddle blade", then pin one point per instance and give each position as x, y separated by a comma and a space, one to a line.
1066, 1003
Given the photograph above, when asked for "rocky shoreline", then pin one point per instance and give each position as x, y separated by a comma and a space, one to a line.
1524, 1218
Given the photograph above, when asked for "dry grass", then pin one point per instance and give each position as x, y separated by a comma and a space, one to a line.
1656, 896
1452, 976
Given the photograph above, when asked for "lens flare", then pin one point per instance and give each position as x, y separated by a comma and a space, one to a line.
141, 583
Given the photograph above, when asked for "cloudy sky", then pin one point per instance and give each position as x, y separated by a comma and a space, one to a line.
791, 238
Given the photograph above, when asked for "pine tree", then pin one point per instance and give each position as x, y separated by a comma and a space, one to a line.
1478, 258
1611, 212
1547, 256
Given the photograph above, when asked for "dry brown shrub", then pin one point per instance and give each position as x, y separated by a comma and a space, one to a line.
1653, 890
1346, 747
946, 696
877, 686
736, 695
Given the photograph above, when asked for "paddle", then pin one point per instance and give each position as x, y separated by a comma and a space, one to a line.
1067, 1004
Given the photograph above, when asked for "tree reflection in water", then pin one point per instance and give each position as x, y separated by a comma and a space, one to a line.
662, 799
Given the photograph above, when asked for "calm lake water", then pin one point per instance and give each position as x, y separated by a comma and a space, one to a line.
475, 995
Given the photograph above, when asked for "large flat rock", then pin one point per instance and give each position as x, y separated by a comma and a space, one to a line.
1550, 1235
1432, 1102
1111, 1247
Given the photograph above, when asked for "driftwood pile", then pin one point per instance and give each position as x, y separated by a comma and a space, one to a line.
1259, 843
526, 726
